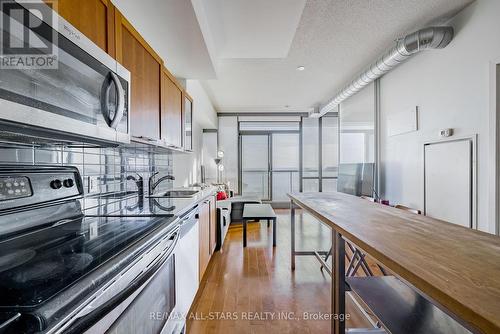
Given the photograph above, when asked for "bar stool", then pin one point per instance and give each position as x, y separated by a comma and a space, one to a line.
357, 260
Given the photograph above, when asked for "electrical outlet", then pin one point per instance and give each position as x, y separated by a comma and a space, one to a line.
94, 230
92, 184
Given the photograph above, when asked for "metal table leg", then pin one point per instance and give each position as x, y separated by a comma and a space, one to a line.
274, 232
338, 284
292, 227
244, 233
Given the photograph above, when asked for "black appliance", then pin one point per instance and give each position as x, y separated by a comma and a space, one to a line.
61, 271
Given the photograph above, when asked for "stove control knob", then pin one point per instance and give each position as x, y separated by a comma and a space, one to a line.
56, 184
68, 183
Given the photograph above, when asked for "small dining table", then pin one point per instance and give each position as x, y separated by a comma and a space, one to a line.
258, 212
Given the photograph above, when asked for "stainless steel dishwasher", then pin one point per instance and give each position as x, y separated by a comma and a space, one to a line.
187, 265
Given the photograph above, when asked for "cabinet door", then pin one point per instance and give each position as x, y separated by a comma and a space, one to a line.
188, 122
213, 225
171, 110
204, 229
145, 67
94, 18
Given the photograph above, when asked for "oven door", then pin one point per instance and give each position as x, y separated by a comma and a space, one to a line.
85, 92
151, 310
145, 304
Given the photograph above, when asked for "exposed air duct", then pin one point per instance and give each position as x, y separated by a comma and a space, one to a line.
424, 39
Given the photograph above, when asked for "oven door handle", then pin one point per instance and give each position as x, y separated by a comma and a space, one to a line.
83, 323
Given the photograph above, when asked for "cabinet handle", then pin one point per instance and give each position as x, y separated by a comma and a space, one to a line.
146, 138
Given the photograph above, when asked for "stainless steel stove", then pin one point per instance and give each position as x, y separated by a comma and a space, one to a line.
56, 263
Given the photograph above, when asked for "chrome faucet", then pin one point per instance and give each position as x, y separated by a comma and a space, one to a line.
139, 182
153, 185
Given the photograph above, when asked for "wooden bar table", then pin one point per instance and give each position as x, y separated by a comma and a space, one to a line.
456, 268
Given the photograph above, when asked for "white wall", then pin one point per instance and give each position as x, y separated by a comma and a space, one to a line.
187, 165
209, 154
228, 142
451, 88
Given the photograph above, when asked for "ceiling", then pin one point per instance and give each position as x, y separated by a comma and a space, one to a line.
256, 29
246, 52
172, 29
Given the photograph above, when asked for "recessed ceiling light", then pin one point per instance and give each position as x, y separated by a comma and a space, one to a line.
300, 68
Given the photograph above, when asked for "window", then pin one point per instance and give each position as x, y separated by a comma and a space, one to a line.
269, 160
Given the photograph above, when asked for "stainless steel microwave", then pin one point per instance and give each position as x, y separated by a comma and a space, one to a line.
83, 94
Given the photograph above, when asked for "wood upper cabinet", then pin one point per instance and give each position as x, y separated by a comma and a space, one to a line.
145, 67
204, 230
187, 116
159, 107
94, 18
171, 110
213, 224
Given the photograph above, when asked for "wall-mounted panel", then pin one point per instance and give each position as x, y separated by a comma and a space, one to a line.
449, 181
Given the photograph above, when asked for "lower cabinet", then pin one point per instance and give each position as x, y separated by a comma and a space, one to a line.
207, 232
213, 224
204, 231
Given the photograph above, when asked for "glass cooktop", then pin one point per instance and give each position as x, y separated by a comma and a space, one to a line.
36, 266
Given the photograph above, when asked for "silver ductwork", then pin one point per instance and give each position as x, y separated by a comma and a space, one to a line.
424, 39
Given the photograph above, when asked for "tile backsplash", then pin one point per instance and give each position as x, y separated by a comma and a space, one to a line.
104, 170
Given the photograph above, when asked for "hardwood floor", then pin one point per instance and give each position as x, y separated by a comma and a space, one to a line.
254, 291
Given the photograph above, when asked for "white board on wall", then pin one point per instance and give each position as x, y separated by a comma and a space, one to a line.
449, 181
402, 122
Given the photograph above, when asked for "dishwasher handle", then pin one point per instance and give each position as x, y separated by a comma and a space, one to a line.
91, 318
188, 222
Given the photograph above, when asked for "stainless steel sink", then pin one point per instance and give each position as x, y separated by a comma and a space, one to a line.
177, 194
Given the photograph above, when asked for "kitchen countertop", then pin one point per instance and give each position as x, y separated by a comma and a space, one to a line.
130, 205
183, 205
456, 267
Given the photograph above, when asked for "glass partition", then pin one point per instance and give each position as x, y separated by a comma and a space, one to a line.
330, 153
320, 153
357, 124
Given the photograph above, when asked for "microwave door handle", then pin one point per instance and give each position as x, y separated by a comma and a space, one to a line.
88, 320
120, 107
104, 100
